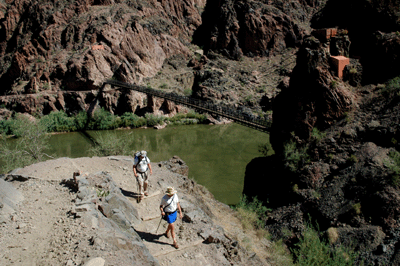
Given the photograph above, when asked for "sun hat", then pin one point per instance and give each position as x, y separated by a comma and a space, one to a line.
170, 191
143, 153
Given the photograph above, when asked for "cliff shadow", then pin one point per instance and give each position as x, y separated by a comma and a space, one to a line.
266, 179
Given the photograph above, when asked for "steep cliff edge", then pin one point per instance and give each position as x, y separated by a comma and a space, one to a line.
336, 138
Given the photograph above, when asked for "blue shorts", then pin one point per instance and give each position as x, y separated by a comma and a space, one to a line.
171, 217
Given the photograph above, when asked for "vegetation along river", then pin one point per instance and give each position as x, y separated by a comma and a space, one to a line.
217, 155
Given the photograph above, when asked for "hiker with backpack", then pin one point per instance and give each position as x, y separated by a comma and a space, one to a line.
142, 170
169, 206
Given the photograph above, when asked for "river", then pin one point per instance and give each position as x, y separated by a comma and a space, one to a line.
217, 155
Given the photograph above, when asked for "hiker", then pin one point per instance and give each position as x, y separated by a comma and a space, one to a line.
169, 205
141, 170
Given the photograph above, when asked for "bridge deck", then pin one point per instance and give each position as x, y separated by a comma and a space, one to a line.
233, 114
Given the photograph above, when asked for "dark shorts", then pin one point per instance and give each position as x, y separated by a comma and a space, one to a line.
171, 218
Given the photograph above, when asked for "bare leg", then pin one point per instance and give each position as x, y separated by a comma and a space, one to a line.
175, 244
140, 184
145, 188
168, 230
146, 182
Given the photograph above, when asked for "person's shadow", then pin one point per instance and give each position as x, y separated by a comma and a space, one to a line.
149, 237
130, 194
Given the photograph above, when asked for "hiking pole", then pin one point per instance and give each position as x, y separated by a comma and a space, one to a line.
159, 224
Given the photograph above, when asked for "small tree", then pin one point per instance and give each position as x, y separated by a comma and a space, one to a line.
109, 144
29, 146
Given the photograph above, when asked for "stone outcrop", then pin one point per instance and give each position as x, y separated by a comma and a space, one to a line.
9, 200
53, 42
374, 41
314, 97
101, 204
253, 28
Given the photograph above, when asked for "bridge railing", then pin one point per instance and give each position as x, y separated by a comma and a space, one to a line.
225, 111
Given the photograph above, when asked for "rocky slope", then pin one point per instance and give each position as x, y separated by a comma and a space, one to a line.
336, 141
262, 55
60, 53
51, 216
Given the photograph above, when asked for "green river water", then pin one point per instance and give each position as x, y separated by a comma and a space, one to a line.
217, 155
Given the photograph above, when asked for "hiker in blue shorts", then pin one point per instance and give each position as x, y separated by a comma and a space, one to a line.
169, 206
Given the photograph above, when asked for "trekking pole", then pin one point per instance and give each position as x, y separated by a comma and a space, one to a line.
159, 224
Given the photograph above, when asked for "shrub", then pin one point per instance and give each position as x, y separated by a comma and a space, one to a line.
265, 149
311, 250
103, 119
6, 126
81, 120
253, 213
295, 156
391, 86
107, 144
28, 148
357, 208
279, 254
58, 122
352, 159
317, 135
393, 166
153, 120
187, 92
163, 86
332, 235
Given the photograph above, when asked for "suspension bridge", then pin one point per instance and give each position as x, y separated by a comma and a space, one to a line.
237, 116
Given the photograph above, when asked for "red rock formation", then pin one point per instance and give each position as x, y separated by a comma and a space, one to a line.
314, 98
55, 37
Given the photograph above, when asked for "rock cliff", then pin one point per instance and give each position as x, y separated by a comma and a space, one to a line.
336, 139
68, 49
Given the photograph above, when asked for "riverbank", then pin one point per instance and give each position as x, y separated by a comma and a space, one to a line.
51, 226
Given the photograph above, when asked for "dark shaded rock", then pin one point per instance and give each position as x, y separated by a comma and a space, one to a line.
177, 165
353, 73
363, 239
252, 28
300, 108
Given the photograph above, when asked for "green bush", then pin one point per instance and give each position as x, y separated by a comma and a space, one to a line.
352, 159
253, 213
132, 120
311, 250
393, 166
391, 86
295, 156
58, 122
265, 149
81, 120
153, 120
103, 119
28, 147
317, 135
110, 144
6, 127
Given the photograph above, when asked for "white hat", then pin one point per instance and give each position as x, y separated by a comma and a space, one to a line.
143, 153
170, 191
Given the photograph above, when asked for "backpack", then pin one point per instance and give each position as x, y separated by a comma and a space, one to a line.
139, 160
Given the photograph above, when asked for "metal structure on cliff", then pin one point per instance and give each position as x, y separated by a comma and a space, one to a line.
240, 117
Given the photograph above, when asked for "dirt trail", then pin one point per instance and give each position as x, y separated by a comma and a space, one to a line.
42, 231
